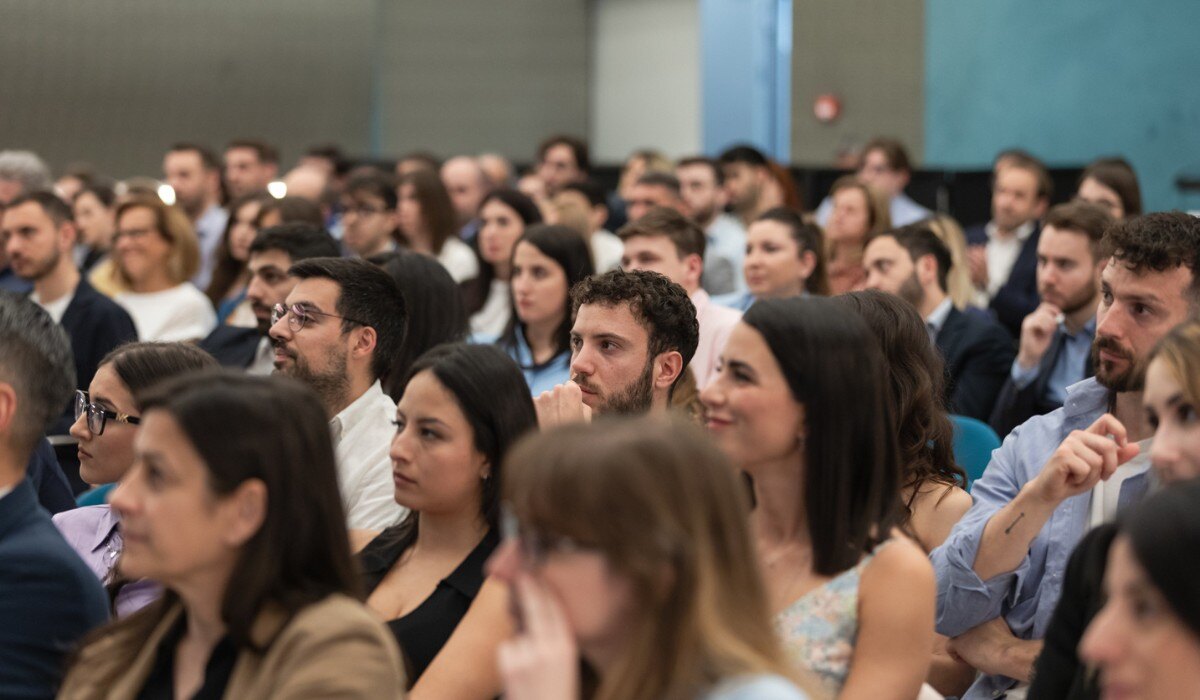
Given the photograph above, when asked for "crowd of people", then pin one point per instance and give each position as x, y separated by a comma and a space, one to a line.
456, 431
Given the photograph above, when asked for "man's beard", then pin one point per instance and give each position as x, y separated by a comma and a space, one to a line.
1131, 379
911, 291
331, 385
46, 266
633, 399
1085, 297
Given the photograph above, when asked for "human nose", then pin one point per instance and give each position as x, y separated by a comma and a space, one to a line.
279, 329
79, 428
581, 362
1110, 321
1164, 450
401, 448
1101, 641
712, 395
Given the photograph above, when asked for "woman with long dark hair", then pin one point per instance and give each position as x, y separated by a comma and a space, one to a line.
461, 409
800, 405
428, 224
546, 262
785, 257
227, 289
505, 214
232, 505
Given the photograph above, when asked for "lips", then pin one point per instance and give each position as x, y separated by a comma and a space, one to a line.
83, 454
402, 481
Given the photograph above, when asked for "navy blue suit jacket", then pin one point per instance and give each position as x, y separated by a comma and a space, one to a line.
1015, 406
1019, 295
978, 355
232, 346
48, 598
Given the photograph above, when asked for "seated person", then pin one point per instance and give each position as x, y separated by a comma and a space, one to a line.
503, 218
106, 420
645, 619
246, 535
1000, 572
48, 598
785, 257
461, 409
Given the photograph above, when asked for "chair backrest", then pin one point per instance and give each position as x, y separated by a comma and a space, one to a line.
974, 442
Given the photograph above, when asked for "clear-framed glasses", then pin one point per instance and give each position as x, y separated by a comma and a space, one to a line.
298, 316
98, 415
535, 547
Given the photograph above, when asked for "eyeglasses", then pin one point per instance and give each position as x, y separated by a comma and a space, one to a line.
135, 234
97, 414
535, 546
298, 316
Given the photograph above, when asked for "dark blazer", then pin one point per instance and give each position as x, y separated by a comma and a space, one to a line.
232, 346
48, 480
96, 325
1019, 295
1015, 406
978, 355
48, 598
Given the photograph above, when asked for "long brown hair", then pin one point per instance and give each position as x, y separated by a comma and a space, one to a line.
173, 225
437, 211
666, 511
228, 269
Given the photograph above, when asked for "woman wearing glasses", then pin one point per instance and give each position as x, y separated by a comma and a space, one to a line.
461, 409
232, 504
627, 547
106, 419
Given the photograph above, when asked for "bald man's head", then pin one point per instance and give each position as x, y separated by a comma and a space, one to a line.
467, 184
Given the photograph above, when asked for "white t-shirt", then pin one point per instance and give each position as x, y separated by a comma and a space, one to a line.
175, 314
362, 437
607, 250
459, 260
492, 319
56, 308
1105, 494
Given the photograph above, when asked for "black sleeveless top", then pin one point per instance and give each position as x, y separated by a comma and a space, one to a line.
423, 632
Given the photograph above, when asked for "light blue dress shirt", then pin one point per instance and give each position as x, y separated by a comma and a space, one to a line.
902, 210
740, 301
1068, 367
1025, 597
545, 376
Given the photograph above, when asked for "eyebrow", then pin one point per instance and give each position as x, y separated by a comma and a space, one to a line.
738, 364
607, 336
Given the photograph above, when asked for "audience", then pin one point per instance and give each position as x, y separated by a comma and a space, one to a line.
285, 210
39, 237
369, 218
227, 290
663, 601
1171, 395
912, 263
562, 160
504, 217
582, 206
654, 189
338, 330
666, 242
48, 597
467, 183
1003, 252
155, 254
633, 334
785, 257
435, 312
21, 172
958, 282
499, 170
1000, 572
639, 163
249, 166
461, 408
245, 534
426, 218
271, 254
851, 596
1111, 184
193, 173
858, 211
749, 183
547, 262
94, 210
885, 166
1056, 339
106, 418
702, 187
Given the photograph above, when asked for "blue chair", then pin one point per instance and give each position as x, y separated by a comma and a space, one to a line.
94, 497
974, 442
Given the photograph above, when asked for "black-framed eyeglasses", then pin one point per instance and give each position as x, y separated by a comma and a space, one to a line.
97, 415
535, 546
298, 316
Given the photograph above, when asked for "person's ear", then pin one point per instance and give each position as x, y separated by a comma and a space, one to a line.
68, 234
8, 408
245, 511
667, 368
808, 263
927, 269
694, 264
365, 340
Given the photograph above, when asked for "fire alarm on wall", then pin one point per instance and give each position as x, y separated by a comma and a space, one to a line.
827, 108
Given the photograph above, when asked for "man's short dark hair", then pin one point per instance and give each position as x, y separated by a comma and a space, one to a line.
375, 183
370, 297
299, 241
52, 205
657, 179
332, 153
919, 240
1157, 242
710, 163
1024, 161
1080, 217
36, 361
207, 158
579, 150
589, 189
265, 151
661, 306
748, 155
685, 234
894, 151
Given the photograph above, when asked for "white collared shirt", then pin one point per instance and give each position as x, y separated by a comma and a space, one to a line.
362, 436
1002, 254
263, 363
937, 318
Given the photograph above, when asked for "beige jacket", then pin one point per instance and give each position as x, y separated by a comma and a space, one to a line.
332, 649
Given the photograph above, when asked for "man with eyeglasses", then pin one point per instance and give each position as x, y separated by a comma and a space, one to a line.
337, 332
369, 218
272, 254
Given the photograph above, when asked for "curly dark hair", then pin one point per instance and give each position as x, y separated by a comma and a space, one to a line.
1160, 241
660, 305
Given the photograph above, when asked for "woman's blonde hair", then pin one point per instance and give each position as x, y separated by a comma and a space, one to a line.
1180, 352
879, 217
668, 514
958, 279
174, 226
